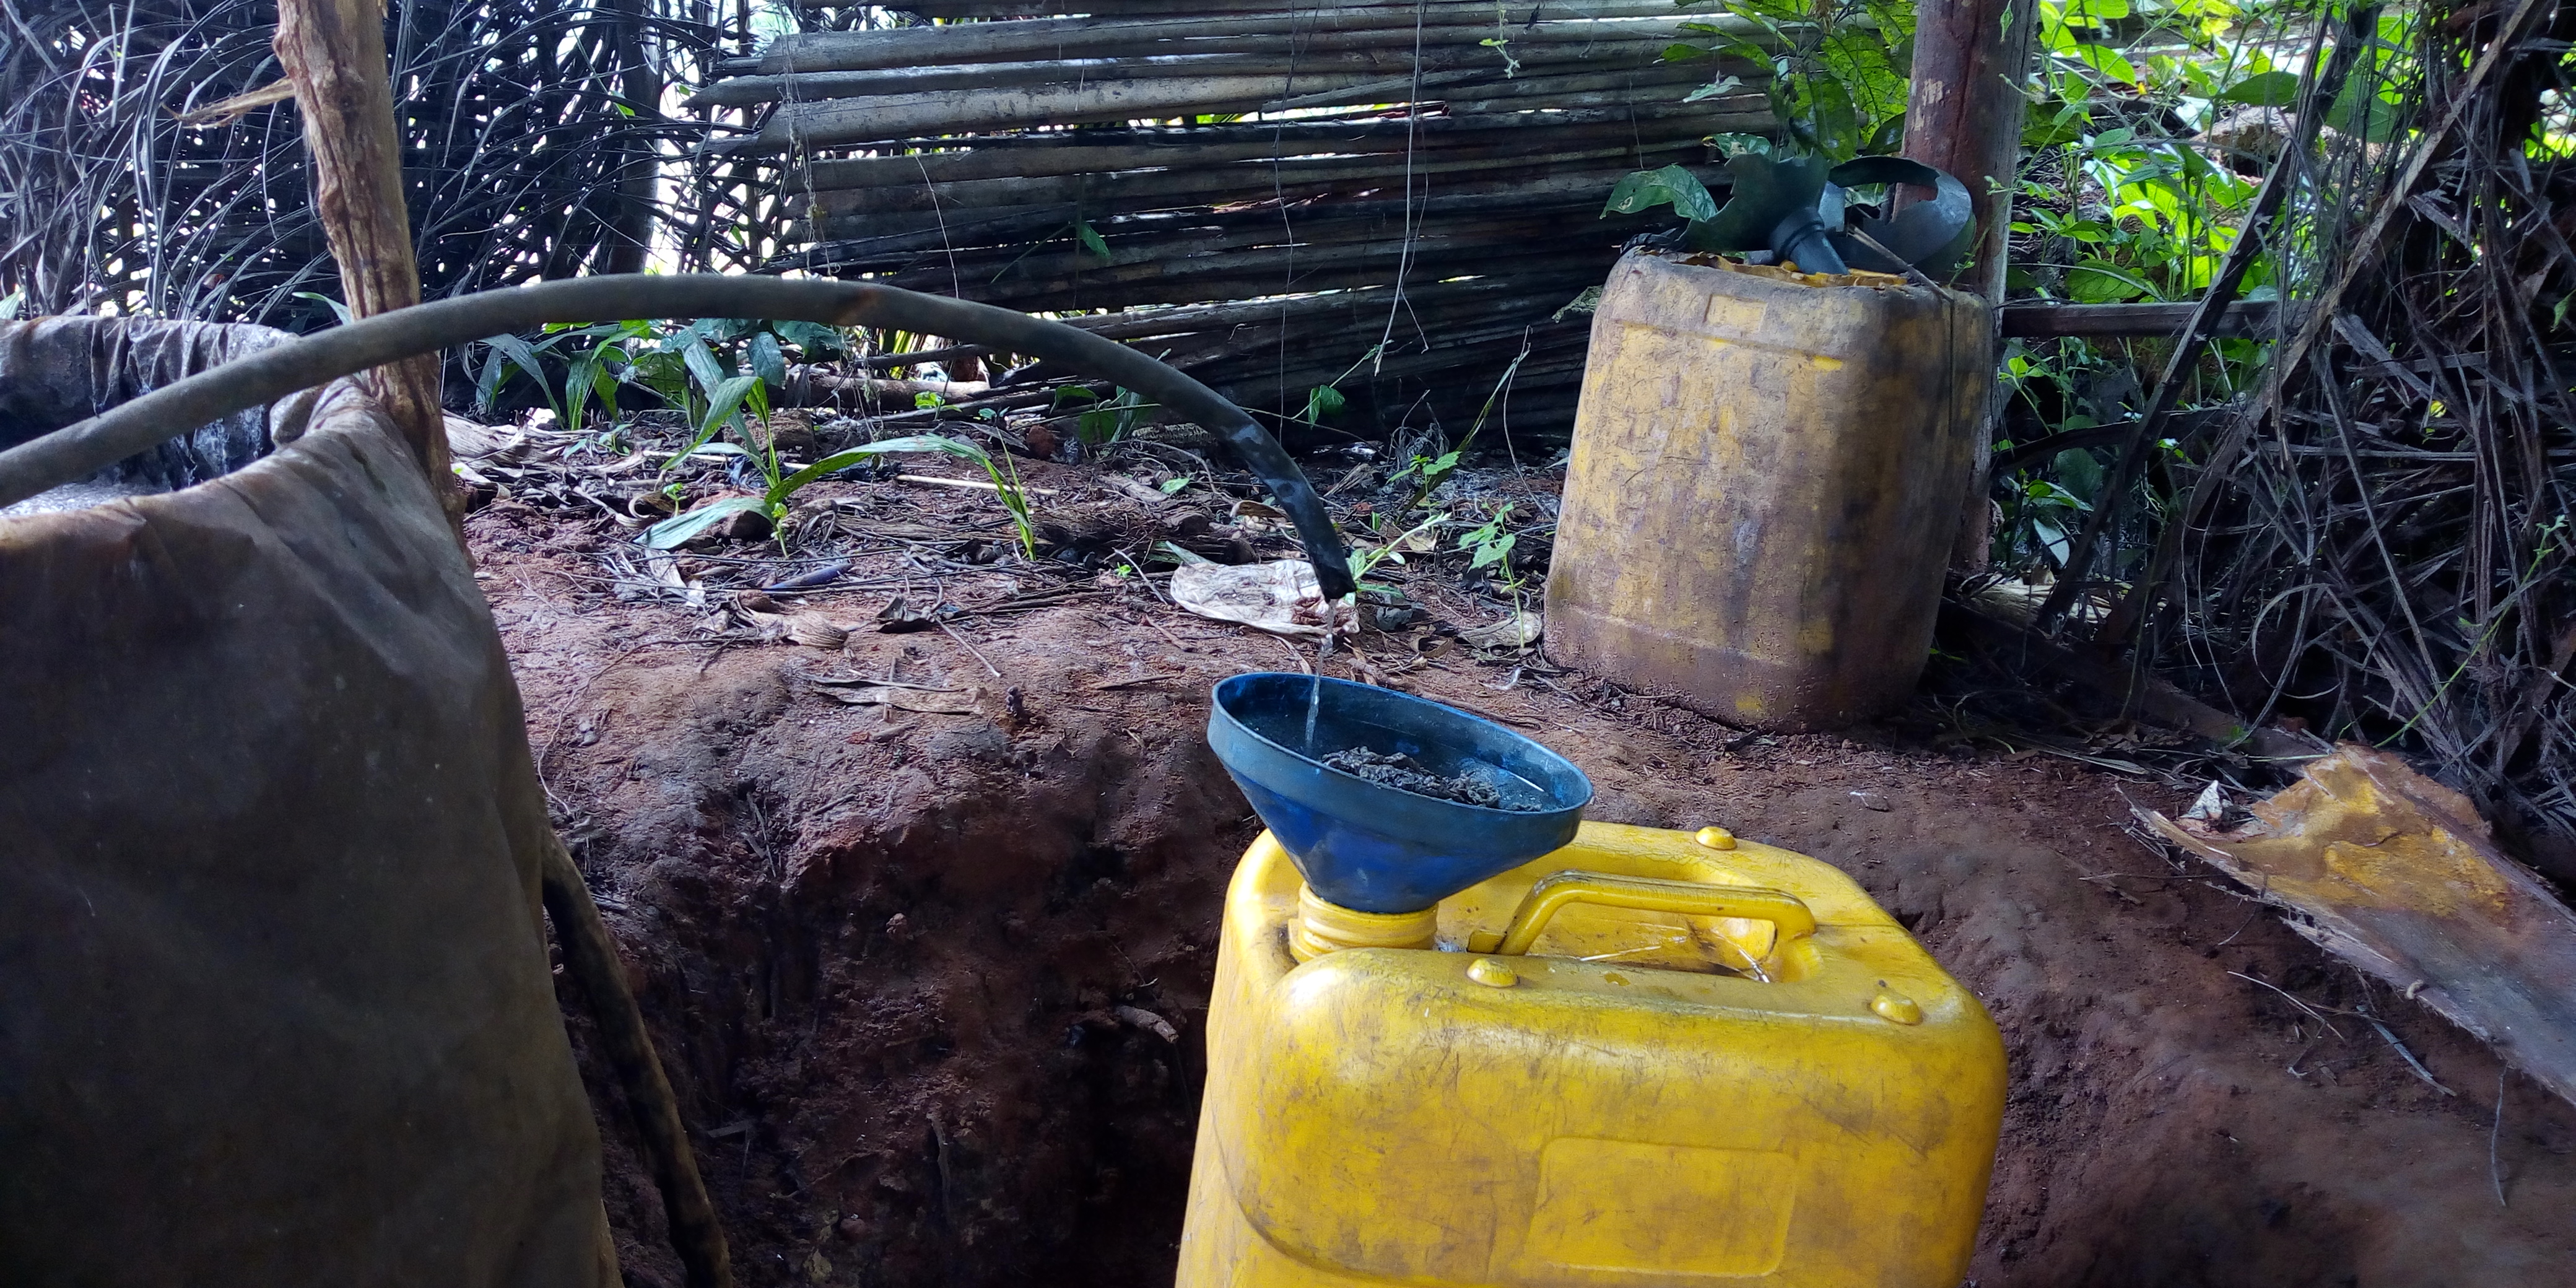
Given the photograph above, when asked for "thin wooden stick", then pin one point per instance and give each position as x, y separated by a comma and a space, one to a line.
971, 650
334, 54
990, 157
1324, 29
590, 957
1219, 183
2495, 1134
1269, 58
967, 485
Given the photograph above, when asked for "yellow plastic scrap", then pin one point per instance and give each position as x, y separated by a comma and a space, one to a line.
2399, 875
2363, 830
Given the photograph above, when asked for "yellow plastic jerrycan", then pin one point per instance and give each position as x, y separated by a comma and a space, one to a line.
1645, 1059
1768, 473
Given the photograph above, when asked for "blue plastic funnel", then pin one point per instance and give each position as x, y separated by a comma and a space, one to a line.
1376, 848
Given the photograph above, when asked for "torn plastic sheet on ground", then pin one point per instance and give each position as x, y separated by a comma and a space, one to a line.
1280, 597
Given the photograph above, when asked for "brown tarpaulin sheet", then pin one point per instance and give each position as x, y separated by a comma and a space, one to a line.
274, 1001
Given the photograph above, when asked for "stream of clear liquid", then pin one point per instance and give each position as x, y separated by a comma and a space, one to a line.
1314, 702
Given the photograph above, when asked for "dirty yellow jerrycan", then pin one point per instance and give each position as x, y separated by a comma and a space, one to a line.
1461, 1037
1648, 1058
1768, 472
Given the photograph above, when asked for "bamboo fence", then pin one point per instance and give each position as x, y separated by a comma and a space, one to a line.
1396, 199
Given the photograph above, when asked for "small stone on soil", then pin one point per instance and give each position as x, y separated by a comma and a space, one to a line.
1405, 774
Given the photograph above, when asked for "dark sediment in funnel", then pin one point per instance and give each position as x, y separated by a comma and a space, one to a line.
1402, 773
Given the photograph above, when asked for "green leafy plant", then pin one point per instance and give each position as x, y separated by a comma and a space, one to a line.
2049, 511
1365, 558
2148, 129
782, 485
611, 358
2130, 213
1837, 67
1112, 420
1327, 399
1431, 470
1435, 470
518, 353
1672, 186
1490, 545
2132, 189
1322, 401
1501, 43
727, 398
1104, 421
2044, 503
1838, 86
676, 363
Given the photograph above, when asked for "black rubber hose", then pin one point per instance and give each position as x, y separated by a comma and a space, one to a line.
78, 451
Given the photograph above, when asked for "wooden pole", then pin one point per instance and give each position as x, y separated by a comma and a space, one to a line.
334, 54
1963, 114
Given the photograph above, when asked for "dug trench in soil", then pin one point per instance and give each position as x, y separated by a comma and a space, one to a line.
912, 962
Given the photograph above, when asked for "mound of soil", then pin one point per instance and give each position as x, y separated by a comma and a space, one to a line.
930, 968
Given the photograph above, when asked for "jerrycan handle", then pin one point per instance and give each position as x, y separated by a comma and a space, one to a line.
1650, 894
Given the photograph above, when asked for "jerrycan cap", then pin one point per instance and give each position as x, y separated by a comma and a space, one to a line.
1375, 848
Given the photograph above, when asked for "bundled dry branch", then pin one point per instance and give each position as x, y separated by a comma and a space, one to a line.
1415, 197
2378, 544
533, 134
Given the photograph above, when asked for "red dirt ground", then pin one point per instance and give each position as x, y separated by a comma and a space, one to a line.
883, 951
